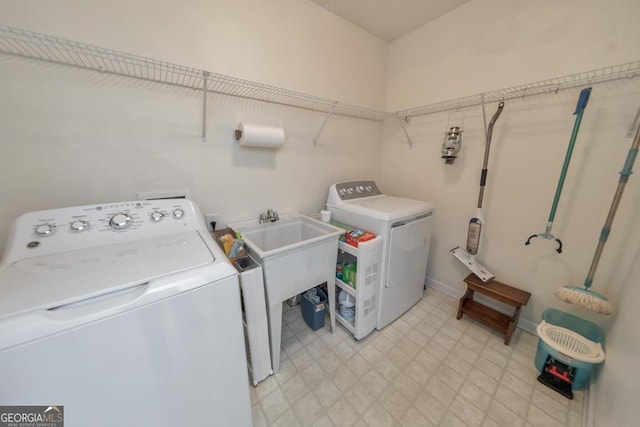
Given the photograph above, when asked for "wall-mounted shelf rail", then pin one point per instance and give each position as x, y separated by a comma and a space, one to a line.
601, 75
25, 43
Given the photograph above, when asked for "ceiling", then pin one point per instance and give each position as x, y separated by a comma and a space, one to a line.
389, 19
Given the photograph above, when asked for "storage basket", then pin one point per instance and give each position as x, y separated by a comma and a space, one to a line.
570, 344
571, 340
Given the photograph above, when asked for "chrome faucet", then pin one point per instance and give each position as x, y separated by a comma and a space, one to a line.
269, 216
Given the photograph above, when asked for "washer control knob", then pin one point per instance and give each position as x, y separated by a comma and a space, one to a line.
369, 188
120, 221
359, 188
178, 213
350, 190
157, 216
45, 229
79, 225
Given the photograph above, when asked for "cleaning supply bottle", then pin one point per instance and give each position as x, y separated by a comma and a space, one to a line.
340, 265
349, 274
346, 305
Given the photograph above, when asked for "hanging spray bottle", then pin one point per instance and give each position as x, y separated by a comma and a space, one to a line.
473, 235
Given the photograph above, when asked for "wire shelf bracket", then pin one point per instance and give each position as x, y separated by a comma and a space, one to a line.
324, 123
402, 121
205, 78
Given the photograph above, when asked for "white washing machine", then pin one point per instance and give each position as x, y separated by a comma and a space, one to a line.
124, 314
405, 228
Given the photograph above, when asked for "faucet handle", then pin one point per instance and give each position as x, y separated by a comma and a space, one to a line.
269, 213
275, 216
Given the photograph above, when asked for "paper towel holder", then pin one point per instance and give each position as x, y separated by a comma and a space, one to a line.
259, 136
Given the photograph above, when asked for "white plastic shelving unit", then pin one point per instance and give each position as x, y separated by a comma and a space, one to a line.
369, 257
254, 313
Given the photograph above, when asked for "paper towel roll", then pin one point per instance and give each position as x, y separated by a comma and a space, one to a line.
260, 136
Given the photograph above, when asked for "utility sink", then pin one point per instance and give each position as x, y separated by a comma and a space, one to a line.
292, 233
297, 253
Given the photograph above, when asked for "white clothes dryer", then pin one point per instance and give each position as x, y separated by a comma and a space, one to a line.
405, 228
124, 314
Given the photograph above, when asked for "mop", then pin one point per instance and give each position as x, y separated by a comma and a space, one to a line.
468, 256
583, 296
582, 104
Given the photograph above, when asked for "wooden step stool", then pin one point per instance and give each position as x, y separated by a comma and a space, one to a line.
494, 319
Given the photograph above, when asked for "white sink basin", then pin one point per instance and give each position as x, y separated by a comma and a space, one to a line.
290, 233
296, 253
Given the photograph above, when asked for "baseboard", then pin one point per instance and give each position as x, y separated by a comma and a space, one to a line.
442, 287
524, 324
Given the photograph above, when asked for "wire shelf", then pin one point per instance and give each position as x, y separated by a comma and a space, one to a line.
25, 43
627, 70
44, 47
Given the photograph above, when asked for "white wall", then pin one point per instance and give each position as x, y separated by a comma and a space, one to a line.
486, 45
71, 137
618, 385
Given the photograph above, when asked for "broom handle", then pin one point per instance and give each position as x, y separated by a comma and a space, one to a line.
624, 177
583, 99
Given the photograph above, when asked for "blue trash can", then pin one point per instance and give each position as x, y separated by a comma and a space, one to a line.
313, 313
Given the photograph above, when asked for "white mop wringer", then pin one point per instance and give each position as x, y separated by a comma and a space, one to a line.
468, 256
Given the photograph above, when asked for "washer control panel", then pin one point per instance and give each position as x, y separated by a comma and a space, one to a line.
67, 229
357, 189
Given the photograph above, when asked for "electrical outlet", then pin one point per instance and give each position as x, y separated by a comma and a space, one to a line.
212, 217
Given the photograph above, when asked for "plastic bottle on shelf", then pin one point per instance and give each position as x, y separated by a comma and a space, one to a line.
346, 305
340, 265
349, 274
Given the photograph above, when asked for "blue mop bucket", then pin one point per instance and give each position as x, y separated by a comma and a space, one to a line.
571, 340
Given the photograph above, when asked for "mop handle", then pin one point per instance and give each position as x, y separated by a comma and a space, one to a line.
580, 106
483, 176
604, 235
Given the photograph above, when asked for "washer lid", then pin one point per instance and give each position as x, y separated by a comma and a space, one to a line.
52, 281
386, 208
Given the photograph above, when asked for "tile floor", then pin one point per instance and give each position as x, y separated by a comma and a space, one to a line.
425, 369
